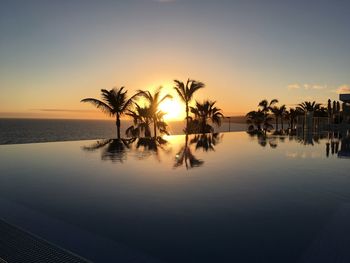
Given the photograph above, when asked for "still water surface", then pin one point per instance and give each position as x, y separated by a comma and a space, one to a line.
223, 198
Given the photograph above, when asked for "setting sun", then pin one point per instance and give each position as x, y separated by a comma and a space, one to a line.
173, 109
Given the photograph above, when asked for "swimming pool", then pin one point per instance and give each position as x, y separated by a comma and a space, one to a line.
227, 197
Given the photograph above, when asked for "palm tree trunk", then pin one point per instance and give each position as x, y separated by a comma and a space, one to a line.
186, 150
118, 126
204, 125
276, 123
147, 132
155, 128
187, 110
282, 123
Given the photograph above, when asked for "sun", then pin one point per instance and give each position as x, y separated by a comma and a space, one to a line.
173, 109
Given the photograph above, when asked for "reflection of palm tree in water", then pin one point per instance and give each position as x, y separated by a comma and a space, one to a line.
185, 156
327, 149
263, 139
345, 146
310, 138
206, 141
148, 146
332, 146
113, 149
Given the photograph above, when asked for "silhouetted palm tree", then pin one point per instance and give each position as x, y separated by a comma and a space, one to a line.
267, 126
279, 113
275, 112
321, 112
114, 103
266, 106
186, 93
204, 112
154, 101
142, 118
256, 120
291, 116
161, 124
260, 120
308, 106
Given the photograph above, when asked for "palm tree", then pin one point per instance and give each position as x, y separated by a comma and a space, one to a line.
267, 126
266, 106
279, 112
114, 103
186, 93
291, 116
154, 101
142, 119
206, 111
321, 112
308, 106
161, 124
255, 119
260, 120
275, 111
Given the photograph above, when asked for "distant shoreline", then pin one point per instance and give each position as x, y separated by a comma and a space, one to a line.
23, 131
232, 119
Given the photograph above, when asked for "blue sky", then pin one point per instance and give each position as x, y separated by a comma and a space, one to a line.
53, 53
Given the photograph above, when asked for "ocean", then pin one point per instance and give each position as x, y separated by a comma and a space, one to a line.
18, 131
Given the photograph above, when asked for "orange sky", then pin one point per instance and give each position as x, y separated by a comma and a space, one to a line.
52, 55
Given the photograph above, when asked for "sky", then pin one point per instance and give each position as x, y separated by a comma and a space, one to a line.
55, 53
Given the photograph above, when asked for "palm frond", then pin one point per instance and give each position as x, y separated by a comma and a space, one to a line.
100, 105
97, 145
180, 93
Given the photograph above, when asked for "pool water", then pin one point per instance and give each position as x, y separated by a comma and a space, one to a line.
226, 197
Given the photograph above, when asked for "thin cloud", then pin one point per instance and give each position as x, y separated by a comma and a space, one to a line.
314, 87
62, 110
343, 89
306, 86
293, 86
164, 1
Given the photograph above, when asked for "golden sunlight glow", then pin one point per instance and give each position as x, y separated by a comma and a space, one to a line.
173, 109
